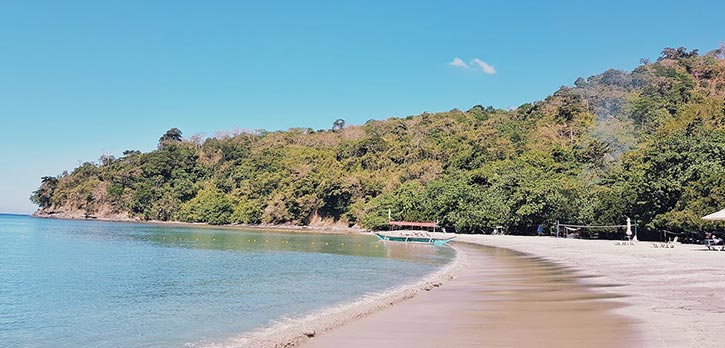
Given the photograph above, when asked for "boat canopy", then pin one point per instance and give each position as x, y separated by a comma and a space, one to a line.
414, 224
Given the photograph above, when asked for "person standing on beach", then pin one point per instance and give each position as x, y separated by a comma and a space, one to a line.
540, 230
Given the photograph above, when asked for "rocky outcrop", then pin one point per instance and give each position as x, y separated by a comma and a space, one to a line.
79, 214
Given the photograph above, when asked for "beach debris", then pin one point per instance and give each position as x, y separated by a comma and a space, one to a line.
430, 285
309, 333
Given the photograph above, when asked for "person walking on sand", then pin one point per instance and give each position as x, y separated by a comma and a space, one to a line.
540, 230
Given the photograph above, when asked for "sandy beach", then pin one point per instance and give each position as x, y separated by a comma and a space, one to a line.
675, 295
560, 293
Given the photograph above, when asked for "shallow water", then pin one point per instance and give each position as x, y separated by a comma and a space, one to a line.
104, 284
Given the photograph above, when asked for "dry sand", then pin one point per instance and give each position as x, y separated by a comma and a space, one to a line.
565, 293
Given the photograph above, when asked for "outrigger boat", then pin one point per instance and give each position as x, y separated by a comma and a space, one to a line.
407, 233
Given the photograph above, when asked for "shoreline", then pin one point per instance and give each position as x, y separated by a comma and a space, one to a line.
505, 298
261, 227
294, 332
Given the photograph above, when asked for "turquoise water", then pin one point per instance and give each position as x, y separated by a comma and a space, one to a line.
104, 284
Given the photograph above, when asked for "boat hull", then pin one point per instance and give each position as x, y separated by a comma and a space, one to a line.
413, 237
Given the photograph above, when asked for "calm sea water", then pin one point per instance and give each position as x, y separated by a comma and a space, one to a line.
103, 284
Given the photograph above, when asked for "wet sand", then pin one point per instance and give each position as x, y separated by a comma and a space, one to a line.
504, 298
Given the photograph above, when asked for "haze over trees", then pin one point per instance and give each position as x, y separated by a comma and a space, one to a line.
648, 144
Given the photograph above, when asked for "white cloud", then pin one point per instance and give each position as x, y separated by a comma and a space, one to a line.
475, 64
488, 69
459, 63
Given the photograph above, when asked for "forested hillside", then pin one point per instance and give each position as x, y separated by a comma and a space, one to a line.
648, 144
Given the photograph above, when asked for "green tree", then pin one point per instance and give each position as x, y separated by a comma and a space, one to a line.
172, 135
43, 196
209, 206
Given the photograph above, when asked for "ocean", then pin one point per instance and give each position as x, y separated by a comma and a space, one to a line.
67, 283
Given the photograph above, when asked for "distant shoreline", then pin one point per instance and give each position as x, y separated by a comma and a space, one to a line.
264, 228
16, 214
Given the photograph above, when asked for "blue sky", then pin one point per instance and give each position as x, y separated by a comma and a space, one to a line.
83, 78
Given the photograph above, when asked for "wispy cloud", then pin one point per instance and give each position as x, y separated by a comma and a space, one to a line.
459, 63
475, 64
487, 68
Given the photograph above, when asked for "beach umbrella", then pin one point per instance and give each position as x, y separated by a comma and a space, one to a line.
715, 216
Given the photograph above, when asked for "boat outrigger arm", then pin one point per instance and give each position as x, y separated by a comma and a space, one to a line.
405, 232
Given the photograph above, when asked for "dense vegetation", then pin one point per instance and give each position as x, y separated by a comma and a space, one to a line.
648, 144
